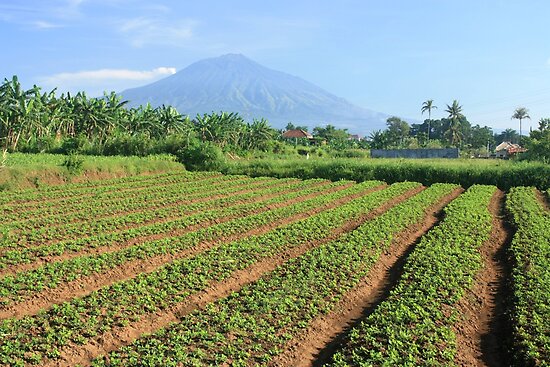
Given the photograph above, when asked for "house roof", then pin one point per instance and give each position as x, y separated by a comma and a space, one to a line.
505, 145
509, 147
297, 134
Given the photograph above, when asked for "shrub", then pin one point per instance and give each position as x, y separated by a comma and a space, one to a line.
202, 157
74, 164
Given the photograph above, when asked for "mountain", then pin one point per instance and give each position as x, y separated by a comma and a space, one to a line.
235, 83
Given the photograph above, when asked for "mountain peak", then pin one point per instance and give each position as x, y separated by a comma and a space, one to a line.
235, 83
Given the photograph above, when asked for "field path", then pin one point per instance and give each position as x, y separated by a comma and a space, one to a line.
319, 341
482, 336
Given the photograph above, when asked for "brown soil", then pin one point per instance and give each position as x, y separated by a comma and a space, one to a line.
103, 344
482, 335
543, 199
131, 269
13, 269
318, 342
245, 187
25, 205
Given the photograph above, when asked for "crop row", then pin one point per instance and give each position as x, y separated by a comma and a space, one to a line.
71, 204
530, 252
185, 216
35, 337
414, 325
115, 213
32, 197
253, 325
50, 275
29, 194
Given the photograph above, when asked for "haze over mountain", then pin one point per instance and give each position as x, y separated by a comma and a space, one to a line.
235, 83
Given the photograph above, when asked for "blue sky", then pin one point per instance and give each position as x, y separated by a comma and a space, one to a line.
390, 56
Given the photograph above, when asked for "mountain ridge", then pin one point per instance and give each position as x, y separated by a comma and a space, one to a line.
235, 83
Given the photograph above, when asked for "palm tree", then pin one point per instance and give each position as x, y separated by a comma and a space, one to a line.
428, 106
455, 114
519, 114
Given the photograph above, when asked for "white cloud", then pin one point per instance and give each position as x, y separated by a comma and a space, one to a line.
94, 82
40, 24
143, 31
548, 62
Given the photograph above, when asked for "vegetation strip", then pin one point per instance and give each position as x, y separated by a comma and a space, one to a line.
51, 275
427, 172
197, 215
21, 196
530, 252
147, 197
42, 234
172, 283
215, 290
175, 204
316, 344
14, 202
481, 331
252, 325
413, 326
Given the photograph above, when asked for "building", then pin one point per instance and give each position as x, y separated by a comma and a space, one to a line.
297, 134
506, 150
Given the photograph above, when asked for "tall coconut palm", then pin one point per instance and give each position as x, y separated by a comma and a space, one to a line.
428, 106
455, 114
519, 114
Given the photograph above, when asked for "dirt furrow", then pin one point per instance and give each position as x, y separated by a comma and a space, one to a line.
483, 334
543, 199
13, 269
244, 187
318, 342
131, 269
103, 344
25, 204
157, 206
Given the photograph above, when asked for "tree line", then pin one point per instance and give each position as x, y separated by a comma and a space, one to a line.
42, 121
35, 121
456, 131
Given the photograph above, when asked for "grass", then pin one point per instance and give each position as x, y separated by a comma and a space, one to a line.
465, 172
32, 170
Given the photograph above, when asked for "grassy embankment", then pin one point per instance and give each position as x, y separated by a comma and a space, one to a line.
32, 170
465, 172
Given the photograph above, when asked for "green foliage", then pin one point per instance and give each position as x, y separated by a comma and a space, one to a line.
74, 164
82, 318
463, 172
256, 323
332, 135
413, 325
397, 131
202, 157
124, 144
530, 251
538, 144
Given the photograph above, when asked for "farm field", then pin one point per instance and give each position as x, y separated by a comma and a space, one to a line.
204, 269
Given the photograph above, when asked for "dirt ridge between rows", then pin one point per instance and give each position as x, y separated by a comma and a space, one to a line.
83, 354
131, 269
483, 334
543, 199
13, 269
320, 339
23, 205
157, 204
70, 236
